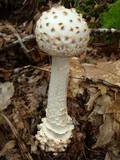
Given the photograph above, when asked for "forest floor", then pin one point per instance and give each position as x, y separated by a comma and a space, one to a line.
93, 95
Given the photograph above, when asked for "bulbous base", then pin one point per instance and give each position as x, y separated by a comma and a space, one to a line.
50, 140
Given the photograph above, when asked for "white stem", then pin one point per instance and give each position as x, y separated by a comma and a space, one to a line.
57, 125
57, 97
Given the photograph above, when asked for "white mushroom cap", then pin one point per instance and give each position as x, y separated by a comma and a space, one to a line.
62, 32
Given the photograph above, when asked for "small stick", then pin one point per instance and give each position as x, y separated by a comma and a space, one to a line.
22, 45
25, 39
104, 30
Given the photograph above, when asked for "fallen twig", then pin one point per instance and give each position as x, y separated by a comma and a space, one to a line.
104, 30
2, 35
25, 39
22, 45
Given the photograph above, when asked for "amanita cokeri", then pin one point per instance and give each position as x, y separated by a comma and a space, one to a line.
61, 33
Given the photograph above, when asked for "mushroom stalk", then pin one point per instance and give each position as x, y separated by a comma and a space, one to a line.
57, 96
62, 33
57, 126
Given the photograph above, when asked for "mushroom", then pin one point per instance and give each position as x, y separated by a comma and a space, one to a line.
61, 33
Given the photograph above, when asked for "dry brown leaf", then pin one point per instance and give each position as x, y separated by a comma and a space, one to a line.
91, 101
8, 146
37, 16
107, 156
116, 154
102, 88
33, 103
104, 101
115, 109
104, 71
101, 105
105, 132
29, 28
7, 40
116, 128
18, 120
6, 92
11, 28
74, 88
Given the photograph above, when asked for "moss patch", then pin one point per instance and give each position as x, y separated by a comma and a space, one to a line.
111, 18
